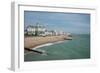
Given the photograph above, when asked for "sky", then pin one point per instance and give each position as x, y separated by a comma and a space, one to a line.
78, 23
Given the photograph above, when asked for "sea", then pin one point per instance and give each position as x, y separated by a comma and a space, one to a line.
77, 48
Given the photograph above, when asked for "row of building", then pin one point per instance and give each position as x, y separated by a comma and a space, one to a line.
40, 30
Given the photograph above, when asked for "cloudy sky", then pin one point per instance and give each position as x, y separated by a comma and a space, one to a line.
78, 23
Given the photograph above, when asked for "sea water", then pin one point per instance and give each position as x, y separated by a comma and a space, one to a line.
77, 48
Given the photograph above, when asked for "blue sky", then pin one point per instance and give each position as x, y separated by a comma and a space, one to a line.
78, 23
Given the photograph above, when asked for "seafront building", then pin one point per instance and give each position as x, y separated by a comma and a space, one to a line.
35, 30
40, 30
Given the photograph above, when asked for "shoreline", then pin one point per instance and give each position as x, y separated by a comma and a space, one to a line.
36, 42
47, 44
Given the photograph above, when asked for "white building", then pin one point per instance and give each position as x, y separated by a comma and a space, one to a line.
36, 30
40, 30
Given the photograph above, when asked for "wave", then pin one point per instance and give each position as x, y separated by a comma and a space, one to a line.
47, 44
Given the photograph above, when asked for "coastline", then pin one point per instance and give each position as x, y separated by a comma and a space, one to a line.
78, 48
37, 42
47, 44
